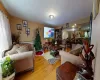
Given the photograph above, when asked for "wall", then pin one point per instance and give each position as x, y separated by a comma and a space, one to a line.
33, 26
96, 41
95, 8
4, 10
7, 14
79, 23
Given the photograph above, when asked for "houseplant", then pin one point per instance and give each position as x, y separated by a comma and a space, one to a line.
15, 38
8, 72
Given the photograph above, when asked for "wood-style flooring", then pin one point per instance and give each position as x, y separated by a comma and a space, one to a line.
42, 70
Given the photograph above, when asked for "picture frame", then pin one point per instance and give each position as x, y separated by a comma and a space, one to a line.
25, 23
27, 31
19, 27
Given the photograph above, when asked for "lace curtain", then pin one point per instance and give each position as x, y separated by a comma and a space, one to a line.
5, 33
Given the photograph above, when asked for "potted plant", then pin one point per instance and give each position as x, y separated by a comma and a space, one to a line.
15, 38
8, 72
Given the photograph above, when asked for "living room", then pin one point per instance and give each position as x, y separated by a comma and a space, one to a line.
49, 40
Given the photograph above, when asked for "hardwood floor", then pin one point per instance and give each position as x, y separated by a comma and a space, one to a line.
42, 70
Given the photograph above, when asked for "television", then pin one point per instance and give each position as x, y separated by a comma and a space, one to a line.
48, 32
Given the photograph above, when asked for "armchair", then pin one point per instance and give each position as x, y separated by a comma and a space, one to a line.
23, 57
67, 56
23, 61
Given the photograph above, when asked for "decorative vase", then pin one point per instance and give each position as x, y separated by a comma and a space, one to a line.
11, 77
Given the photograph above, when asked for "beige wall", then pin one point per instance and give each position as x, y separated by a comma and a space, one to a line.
4, 10
96, 41
79, 22
23, 36
32, 25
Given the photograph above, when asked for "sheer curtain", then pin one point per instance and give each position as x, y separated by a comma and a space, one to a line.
5, 33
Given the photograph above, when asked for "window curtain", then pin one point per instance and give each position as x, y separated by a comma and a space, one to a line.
5, 33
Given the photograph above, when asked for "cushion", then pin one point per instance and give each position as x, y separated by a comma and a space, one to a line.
28, 46
22, 49
78, 46
22, 56
12, 51
76, 52
65, 56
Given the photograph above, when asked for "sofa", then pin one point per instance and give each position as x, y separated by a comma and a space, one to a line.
74, 59
69, 57
23, 57
70, 63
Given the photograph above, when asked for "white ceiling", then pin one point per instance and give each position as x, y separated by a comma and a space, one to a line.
39, 10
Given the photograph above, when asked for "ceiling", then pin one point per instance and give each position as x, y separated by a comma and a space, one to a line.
39, 10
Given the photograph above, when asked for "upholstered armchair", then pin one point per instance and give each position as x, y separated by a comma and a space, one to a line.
23, 57
67, 56
23, 61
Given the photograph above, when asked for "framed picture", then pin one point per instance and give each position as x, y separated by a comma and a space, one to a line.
27, 31
67, 25
19, 27
25, 23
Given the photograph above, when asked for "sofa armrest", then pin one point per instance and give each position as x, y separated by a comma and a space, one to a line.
65, 56
23, 55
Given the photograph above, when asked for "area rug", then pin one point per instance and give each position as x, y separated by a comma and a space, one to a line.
50, 58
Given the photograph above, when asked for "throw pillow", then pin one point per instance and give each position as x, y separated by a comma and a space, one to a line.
28, 46
77, 46
76, 52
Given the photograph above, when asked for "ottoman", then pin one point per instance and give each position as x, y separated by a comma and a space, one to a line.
66, 71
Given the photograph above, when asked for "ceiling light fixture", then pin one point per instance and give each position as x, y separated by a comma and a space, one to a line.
75, 24
51, 16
